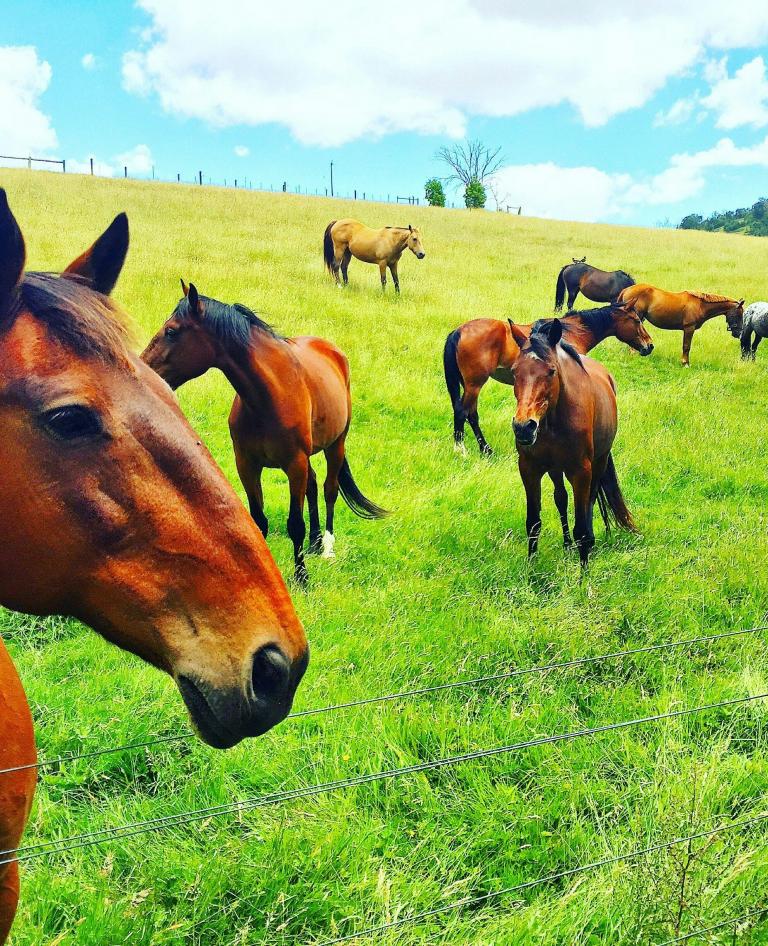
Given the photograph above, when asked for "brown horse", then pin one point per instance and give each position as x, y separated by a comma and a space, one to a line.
684, 311
293, 400
565, 425
344, 239
484, 348
596, 284
114, 513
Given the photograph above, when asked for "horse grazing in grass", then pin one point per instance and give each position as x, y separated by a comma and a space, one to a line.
485, 348
564, 426
754, 323
344, 239
115, 514
293, 400
596, 284
684, 311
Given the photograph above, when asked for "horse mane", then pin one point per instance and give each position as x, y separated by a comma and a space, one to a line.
539, 343
623, 272
710, 297
231, 324
599, 319
82, 320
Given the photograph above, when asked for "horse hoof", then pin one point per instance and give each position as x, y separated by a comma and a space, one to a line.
486, 451
301, 576
328, 541
315, 545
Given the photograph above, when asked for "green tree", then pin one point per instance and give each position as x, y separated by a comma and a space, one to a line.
474, 195
434, 193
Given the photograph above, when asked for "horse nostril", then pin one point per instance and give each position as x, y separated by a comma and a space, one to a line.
271, 671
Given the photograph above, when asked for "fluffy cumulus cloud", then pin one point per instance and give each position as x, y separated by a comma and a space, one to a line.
240, 63
138, 161
587, 193
24, 128
740, 99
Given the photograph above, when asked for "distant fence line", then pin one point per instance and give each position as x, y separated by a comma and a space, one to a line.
243, 183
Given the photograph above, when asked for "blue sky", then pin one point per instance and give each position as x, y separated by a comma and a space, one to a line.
592, 108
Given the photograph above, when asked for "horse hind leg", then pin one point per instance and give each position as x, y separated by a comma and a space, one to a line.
9, 898
395, 279
315, 535
469, 410
687, 339
334, 458
755, 343
345, 260
383, 272
298, 475
573, 291
746, 339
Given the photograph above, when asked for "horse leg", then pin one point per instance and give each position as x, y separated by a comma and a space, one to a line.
581, 481
687, 339
561, 501
746, 338
9, 898
383, 272
298, 474
345, 265
315, 536
469, 409
532, 482
334, 458
250, 477
755, 343
572, 293
393, 270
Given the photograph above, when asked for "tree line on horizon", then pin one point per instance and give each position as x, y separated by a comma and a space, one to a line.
752, 221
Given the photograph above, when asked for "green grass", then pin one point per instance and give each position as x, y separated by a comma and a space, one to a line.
440, 591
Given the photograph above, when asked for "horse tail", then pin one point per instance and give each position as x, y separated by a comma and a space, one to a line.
560, 290
453, 379
359, 504
611, 501
329, 254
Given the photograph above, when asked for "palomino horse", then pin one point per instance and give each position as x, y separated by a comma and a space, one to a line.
347, 238
484, 348
114, 513
565, 425
596, 284
292, 401
684, 311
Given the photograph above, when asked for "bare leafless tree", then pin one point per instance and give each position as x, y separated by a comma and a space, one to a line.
470, 161
500, 198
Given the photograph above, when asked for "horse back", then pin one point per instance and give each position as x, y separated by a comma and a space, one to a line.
484, 346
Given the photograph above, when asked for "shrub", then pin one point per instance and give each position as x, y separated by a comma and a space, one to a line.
474, 195
434, 193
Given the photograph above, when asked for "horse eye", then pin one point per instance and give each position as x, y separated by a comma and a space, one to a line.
171, 332
72, 423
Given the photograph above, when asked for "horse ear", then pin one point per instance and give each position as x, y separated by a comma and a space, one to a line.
195, 305
100, 265
184, 288
12, 254
517, 334
410, 228
741, 303
554, 332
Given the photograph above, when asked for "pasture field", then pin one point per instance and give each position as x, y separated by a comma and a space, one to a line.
440, 591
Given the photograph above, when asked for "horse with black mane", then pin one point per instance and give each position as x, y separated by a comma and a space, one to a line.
293, 400
596, 284
564, 426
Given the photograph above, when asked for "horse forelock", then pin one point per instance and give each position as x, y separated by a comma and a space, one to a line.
85, 322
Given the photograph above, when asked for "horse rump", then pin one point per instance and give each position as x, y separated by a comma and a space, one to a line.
329, 254
359, 504
613, 508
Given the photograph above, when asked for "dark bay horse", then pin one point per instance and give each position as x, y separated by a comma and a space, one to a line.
293, 400
114, 513
684, 311
564, 426
485, 348
596, 284
344, 239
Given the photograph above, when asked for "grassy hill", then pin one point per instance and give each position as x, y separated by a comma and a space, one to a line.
440, 591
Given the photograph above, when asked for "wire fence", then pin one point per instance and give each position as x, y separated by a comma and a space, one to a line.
116, 833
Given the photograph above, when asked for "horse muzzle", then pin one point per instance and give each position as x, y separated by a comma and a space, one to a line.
645, 350
224, 717
420, 255
526, 432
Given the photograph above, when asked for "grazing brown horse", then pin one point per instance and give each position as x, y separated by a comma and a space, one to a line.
684, 311
596, 284
485, 348
344, 239
564, 426
114, 513
292, 401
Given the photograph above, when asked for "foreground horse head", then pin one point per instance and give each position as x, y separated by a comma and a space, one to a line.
734, 319
414, 242
630, 329
113, 511
537, 379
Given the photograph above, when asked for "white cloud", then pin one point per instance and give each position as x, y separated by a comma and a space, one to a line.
678, 113
24, 128
89, 62
138, 160
241, 151
100, 168
741, 99
240, 63
587, 193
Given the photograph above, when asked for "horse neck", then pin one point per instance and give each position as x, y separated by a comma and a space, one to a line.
582, 336
711, 309
252, 371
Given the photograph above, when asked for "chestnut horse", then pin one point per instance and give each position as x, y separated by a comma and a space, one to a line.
114, 513
565, 425
344, 239
484, 348
684, 311
293, 400
596, 284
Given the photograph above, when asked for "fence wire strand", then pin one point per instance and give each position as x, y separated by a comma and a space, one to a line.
404, 694
120, 832
713, 929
